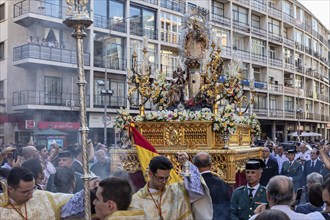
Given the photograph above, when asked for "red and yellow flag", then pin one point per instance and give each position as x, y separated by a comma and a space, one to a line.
146, 152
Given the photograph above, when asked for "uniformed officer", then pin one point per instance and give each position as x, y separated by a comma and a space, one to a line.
293, 169
247, 198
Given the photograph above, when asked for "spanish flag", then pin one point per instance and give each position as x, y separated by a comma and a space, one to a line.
146, 152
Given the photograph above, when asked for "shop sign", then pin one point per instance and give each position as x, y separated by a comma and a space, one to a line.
59, 125
97, 120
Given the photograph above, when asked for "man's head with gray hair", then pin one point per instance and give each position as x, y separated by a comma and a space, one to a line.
314, 178
279, 190
203, 161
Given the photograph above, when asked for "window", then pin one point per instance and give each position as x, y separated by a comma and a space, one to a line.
258, 47
274, 26
314, 24
218, 8
53, 90
298, 36
260, 101
169, 61
145, 22
272, 102
118, 99
2, 12
105, 10
225, 36
288, 103
255, 21
2, 89
287, 8
240, 14
2, 50
238, 43
170, 28
152, 52
272, 52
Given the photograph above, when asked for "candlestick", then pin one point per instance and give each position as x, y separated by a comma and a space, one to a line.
145, 42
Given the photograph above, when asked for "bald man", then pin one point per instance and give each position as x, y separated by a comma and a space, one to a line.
219, 190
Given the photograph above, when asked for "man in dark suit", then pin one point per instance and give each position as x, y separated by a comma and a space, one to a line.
247, 198
270, 169
219, 190
293, 170
312, 165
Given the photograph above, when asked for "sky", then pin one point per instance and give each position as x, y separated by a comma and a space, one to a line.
320, 9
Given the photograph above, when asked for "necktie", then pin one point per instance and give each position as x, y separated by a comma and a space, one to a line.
250, 194
312, 164
265, 161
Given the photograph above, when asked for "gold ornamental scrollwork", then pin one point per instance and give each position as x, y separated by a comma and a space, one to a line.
173, 135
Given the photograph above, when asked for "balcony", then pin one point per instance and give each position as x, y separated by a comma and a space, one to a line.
259, 5
219, 19
288, 42
174, 5
29, 12
244, 2
32, 99
275, 62
260, 112
112, 101
226, 51
258, 31
259, 58
289, 90
110, 24
237, 25
274, 37
275, 88
29, 53
154, 2
144, 31
274, 12
289, 114
113, 63
242, 54
289, 66
170, 37
288, 18
276, 113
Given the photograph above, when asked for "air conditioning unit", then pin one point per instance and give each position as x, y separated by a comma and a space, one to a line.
69, 103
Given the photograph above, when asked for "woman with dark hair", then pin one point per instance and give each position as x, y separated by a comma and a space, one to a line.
34, 165
272, 214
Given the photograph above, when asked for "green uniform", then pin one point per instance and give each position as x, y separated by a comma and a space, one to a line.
241, 206
294, 171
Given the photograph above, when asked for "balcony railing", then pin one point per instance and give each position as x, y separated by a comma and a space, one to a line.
221, 19
38, 7
112, 101
275, 62
275, 12
288, 18
48, 53
261, 6
289, 114
34, 97
242, 54
275, 88
143, 31
241, 26
258, 31
174, 5
289, 90
288, 42
276, 113
110, 23
112, 63
259, 58
275, 37
261, 112
226, 51
154, 2
289, 66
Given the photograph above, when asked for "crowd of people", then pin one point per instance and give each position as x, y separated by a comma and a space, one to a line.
42, 183
44, 42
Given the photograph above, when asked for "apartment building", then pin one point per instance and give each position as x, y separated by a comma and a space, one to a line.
283, 47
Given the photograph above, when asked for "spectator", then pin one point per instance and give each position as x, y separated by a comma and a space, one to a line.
37, 41
35, 167
44, 42
271, 167
315, 200
48, 167
102, 167
326, 198
65, 180
280, 157
30, 40
30, 152
312, 165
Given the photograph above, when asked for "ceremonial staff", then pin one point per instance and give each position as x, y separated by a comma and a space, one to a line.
78, 19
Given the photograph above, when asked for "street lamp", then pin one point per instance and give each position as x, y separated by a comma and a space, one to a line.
78, 19
105, 92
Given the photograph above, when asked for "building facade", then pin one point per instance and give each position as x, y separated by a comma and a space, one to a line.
283, 48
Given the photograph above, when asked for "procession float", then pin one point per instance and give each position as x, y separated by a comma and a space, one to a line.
202, 107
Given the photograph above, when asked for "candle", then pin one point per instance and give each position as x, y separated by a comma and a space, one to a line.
213, 35
145, 42
219, 42
134, 47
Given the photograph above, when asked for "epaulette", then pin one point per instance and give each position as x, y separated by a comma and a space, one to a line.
241, 187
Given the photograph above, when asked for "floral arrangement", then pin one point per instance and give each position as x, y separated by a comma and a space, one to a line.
232, 88
254, 125
225, 121
123, 119
160, 89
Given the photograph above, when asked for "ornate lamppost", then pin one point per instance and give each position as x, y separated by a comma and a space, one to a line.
78, 19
